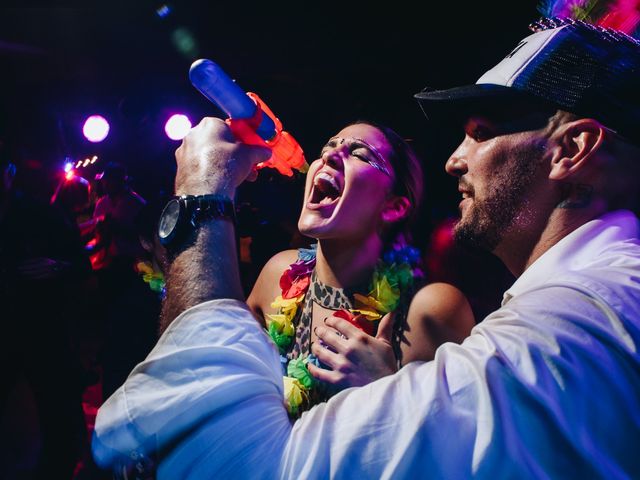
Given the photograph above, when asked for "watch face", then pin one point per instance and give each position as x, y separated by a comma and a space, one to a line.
169, 220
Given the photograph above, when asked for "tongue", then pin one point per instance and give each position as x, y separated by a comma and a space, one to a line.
326, 201
324, 192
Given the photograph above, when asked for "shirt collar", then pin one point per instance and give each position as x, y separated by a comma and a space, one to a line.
576, 250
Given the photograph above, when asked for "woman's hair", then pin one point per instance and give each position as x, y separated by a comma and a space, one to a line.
408, 177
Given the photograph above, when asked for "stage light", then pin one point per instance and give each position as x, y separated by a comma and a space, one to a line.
177, 127
79, 164
69, 175
68, 166
96, 128
94, 159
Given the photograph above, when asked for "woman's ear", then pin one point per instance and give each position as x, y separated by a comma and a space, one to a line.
580, 140
396, 208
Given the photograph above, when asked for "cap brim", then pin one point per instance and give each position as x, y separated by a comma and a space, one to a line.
478, 98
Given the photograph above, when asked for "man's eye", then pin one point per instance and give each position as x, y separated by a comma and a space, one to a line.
480, 133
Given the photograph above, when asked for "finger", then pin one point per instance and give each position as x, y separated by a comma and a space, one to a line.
329, 337
214, 123
343, 327
385, 328
328, 376
207, 129
256, 154
326, 356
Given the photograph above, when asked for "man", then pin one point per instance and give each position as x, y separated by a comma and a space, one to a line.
546, 386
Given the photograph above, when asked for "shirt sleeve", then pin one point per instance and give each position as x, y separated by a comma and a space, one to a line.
211, 362
504, 403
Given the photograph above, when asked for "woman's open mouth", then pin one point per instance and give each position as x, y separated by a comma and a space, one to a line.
326, 190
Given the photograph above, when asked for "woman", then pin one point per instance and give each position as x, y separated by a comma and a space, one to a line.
360, 197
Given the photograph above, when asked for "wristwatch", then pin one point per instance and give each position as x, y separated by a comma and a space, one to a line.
181, 217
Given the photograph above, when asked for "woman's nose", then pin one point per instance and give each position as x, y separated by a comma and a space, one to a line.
333, 158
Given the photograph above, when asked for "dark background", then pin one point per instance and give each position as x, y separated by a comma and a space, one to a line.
318, 65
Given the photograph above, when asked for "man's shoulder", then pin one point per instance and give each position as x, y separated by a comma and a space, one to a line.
604, 270
613, 276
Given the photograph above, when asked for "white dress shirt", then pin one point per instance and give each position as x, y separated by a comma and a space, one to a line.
546, 386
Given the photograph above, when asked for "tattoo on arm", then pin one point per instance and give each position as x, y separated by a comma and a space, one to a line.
576, 195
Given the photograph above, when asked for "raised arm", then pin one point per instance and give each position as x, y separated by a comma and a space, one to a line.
209, 161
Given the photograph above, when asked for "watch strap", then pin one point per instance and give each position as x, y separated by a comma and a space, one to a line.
207, 207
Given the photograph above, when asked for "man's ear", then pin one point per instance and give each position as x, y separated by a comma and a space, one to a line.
580, 140
396, 208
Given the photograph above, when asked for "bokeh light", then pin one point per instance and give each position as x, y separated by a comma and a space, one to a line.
177, 126
163, 10
96, 128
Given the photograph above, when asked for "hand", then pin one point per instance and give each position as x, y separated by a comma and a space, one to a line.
210, 160
355, 358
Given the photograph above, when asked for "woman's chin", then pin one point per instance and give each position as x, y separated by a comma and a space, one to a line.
315, 230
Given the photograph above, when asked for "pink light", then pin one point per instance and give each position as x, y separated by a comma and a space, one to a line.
96, 128
177, 127
69, 175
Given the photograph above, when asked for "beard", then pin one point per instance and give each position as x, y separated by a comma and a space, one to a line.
486, 220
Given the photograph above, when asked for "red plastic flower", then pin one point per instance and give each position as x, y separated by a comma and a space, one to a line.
295, 279
359, 321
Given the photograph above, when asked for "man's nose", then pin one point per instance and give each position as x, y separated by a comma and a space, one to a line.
457, 163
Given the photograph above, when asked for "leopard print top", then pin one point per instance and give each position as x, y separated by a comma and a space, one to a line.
326, 296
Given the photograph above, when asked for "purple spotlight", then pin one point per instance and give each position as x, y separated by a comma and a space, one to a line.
177, 126
96, 128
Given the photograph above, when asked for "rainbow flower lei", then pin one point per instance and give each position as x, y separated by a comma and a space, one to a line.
393, 275
153, 278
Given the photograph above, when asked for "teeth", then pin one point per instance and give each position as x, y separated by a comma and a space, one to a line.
465, 195
328, 178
